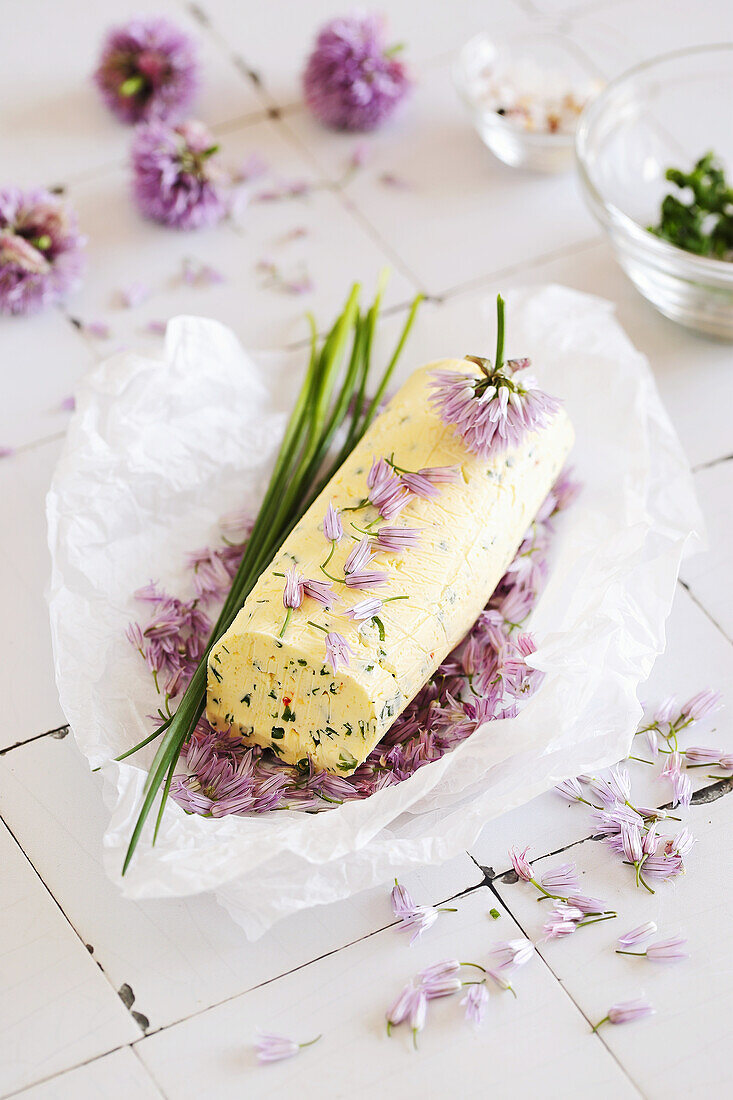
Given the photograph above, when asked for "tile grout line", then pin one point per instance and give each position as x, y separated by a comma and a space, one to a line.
68, 920
148, 1072
63, 1073
703, 608
564, 989
489, 877
338, 189
530, 264
712, 463
303, 966
134, 1044
58, 734
200, 15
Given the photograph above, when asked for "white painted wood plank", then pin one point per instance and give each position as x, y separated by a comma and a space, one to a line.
117, 1076
56, 1007
708, 575
27, 685
178, 956
277, 41
345, 996
483, 217
125, 249
684, 1050
625, 32
43, 358
53, 124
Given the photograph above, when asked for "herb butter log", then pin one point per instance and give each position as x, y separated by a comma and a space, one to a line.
275, 686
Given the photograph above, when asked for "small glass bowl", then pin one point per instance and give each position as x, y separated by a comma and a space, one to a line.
514, 145
667, 112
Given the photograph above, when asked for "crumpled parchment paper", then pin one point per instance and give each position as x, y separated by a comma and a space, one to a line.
158, 450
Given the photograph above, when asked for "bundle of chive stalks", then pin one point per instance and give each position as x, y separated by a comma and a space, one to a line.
333, 395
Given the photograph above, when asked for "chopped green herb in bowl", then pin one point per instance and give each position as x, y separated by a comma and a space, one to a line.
700, 221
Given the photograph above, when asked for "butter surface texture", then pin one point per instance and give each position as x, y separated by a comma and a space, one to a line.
279, 692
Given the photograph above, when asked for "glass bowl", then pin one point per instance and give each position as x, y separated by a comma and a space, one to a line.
483, 57
667, 112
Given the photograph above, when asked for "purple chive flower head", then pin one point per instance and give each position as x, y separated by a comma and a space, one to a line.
333, 529
338, 650
367, 578
441, 475
177, 179
652, 740
681, 843
563, 920
571, 790
520, 863
441, 979
273, 1048
587, 904
365, 609
627, 1012
293, 588
663, 867
696, 754
631, 843
672, 766
352, 80
670, 950
701, 704
650, 840
396, 539
493, 412
637, 935
387, 491
561, 879
402, 1006
497, 409
666, 709
147, 69
419, 486
418, 920
510, 954
476, 1002
41, 250
619, 781
401, 899
320, 591
681, 789
418, 1011
359, 557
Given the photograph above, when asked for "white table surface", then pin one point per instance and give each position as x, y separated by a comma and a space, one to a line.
73, 955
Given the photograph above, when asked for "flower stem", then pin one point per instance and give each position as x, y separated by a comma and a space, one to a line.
499, 357
286, 620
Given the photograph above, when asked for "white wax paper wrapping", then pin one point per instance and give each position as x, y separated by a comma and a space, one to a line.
158, 450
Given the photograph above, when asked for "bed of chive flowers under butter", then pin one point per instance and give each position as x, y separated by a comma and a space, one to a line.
484, 679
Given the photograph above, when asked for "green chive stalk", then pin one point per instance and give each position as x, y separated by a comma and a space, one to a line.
329, 397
